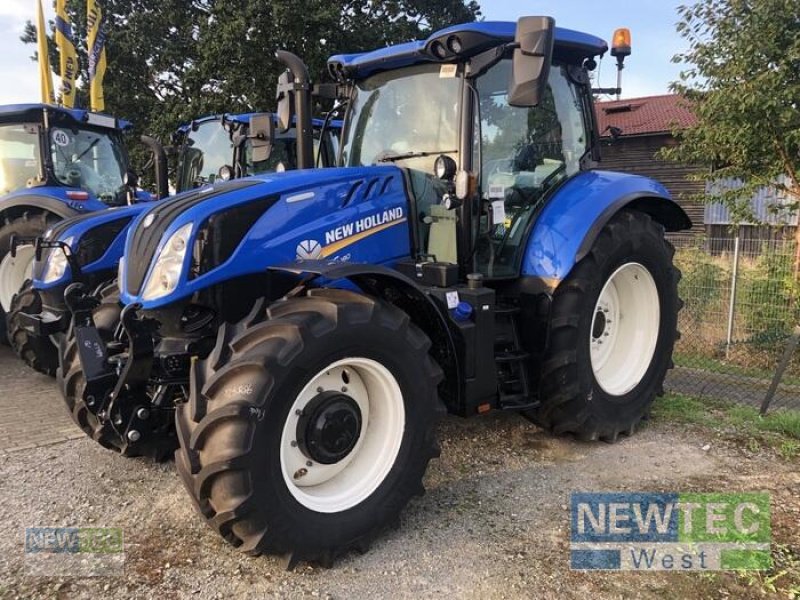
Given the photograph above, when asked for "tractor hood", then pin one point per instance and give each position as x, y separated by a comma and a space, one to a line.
206, 237
97, 240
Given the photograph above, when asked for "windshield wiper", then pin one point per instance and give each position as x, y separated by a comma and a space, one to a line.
85, 152
404, 156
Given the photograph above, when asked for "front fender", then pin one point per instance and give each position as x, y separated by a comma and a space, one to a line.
574, 216
51, 199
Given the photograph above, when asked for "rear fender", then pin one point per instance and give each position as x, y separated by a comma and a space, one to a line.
573, 217
50, 199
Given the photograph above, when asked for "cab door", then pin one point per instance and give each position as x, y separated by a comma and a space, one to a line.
523, 154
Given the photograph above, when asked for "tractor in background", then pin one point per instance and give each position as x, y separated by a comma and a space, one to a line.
87, 248
56, 163
468, 256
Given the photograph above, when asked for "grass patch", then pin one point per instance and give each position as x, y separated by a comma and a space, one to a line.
779, 430
694, 360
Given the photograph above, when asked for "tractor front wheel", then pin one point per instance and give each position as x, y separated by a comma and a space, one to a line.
612, 330
16, 270
310, 426
37, 351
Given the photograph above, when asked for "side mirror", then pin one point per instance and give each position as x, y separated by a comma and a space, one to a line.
534, 41
131, 179
262, 136
284, 97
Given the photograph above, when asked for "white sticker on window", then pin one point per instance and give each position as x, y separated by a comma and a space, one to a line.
448, 71
497, 191
499, 212
452, 300
60, 137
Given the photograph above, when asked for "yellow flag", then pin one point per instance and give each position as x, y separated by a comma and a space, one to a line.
97, 54
67, 53
45, 75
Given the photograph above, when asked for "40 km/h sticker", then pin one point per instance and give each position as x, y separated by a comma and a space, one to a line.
61, 138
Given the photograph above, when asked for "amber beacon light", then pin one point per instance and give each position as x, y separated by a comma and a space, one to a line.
621, 43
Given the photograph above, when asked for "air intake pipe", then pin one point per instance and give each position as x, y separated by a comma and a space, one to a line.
301, 91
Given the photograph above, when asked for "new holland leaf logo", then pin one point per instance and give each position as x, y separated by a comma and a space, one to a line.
309, 250
341, 237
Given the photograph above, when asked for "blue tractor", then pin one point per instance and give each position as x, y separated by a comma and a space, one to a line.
468, 256
87, 248
221, 146
56, 163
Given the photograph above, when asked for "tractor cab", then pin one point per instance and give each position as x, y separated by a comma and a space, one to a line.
481, 121
48, 146
232, 146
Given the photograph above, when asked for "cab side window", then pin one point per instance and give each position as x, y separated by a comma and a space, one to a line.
524, 153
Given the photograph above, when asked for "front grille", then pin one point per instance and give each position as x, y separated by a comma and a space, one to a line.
220, 234
145, 240
95, 242
57, 232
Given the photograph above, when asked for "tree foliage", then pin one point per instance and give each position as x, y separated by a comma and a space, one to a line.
170, 61
742, 78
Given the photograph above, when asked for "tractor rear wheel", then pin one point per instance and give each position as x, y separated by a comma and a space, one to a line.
310, 425
612, 330
158, 444
15, 271
37, 351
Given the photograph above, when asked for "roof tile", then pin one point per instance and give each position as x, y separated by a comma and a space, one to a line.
643, 116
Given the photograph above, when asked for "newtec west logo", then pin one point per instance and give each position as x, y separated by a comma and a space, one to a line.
672, 532
73, 540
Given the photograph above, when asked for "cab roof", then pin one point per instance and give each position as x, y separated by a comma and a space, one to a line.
14, 113
569, 46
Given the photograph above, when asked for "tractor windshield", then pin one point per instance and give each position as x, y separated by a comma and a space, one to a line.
406, 116
91, 159
284, 152
206, 149
20, 156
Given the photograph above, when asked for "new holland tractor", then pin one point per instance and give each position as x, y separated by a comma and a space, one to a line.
468, 256
87, 248
56, 163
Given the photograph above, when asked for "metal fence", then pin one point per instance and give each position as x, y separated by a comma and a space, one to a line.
742, 304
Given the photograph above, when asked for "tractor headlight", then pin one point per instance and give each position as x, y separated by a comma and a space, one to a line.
56, 264
167, 270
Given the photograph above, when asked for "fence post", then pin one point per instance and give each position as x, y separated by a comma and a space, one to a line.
732, 306
791, 346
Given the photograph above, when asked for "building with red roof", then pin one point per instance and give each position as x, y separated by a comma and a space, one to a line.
634, 130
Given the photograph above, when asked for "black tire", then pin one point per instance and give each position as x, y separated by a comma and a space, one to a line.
30, 224
230, 439
37, 351
572, 401
157, 445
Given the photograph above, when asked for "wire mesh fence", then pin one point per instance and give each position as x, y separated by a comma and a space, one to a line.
742, 304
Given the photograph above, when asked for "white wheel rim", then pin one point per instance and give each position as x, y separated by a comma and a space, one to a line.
14, 271
624, 332
342, 485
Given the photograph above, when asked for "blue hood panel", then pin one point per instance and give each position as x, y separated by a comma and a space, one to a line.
358, 214
79, 227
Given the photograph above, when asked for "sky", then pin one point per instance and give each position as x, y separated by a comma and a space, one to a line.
648, 70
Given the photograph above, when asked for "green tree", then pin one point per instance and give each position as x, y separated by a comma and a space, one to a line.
173, 60
742, 78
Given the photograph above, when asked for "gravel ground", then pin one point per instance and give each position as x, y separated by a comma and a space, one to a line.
494, 523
